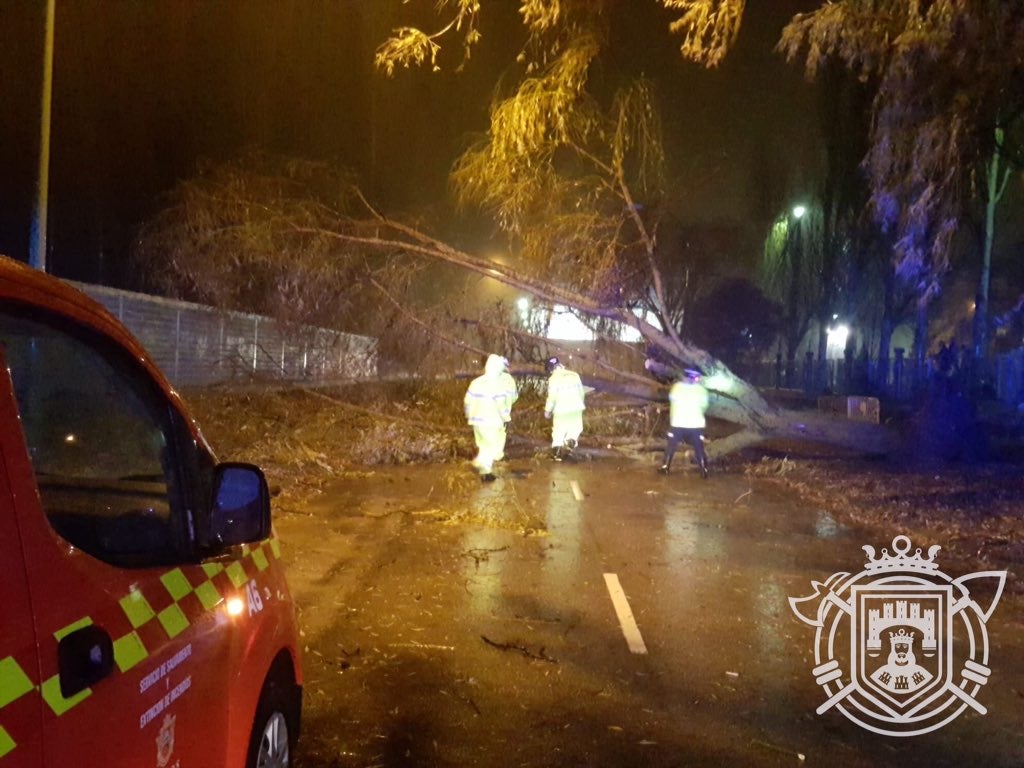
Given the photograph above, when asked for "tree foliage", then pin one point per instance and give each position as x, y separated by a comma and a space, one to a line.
945, 72
224, 238
258, 233
708, 29
573, 179
790, 271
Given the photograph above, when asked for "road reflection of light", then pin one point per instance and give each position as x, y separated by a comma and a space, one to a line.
563, 520
690, 538
693, 551
481, 566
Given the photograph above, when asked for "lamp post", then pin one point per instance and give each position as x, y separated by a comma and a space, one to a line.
37, 246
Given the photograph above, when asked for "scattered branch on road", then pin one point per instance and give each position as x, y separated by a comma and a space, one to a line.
541, 655
480, 555
465, 700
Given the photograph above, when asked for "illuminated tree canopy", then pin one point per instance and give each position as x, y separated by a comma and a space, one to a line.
708, 29
947, 74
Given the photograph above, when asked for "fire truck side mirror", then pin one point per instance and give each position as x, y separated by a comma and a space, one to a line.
240, 512
85, 657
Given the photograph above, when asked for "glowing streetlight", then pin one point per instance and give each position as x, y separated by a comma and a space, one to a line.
799, 211
835, 341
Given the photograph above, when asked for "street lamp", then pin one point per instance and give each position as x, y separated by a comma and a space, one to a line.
799, 211
523, 306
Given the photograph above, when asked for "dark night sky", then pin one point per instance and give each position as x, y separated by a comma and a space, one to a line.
144, 89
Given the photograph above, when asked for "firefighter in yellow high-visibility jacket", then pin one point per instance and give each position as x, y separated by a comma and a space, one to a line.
688, 402
488, 404
564, 406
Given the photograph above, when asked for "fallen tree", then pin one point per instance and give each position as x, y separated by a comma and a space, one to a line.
734, 400
576, 186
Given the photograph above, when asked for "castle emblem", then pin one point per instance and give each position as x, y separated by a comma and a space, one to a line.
901, 648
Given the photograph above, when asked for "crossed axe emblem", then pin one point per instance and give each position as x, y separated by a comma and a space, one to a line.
815, 609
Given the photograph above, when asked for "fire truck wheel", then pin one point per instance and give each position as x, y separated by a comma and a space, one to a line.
274, 733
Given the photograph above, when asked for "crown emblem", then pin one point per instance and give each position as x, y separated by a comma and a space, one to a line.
901, 638
867, 625
900, 560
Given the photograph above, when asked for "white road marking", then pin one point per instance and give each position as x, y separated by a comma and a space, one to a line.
629, 628
576, 490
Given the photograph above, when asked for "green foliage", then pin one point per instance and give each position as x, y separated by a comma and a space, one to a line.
790, 270
945, 73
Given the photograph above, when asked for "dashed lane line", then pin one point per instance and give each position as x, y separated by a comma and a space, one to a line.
629, 628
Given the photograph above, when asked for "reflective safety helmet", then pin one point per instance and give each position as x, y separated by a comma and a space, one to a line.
551, 364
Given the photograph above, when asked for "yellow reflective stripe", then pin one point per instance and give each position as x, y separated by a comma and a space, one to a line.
53, 697
236, 572
176, 584
208, 595
60, 634
56, 701
14, 683
260, 559
137, 608
7, 744
173, 620
129, 651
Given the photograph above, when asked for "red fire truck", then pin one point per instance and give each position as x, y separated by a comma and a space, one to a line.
144, 615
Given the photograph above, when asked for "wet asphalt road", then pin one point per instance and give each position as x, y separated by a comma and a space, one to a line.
467, 642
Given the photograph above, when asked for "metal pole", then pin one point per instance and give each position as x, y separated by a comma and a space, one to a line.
37, 247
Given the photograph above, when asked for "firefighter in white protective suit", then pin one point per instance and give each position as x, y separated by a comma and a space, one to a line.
564, 406
488, 405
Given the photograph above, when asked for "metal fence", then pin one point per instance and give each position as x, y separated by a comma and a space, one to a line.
1010, 377
196, 345
900, 379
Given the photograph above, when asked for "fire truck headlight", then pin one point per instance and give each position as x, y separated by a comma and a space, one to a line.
235, 606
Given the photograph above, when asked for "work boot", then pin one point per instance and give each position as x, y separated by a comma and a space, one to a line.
488, 477
663, 469
704, 469
556, 454
570, 445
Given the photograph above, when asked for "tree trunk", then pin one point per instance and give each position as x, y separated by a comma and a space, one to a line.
994, 192
886, 331
921, 346
739, 403
733, 399
821, 366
